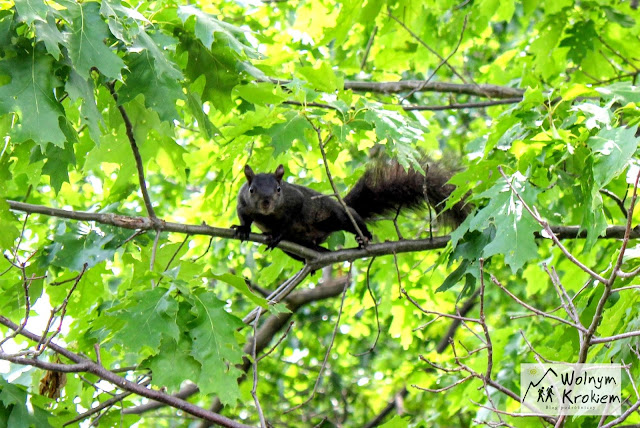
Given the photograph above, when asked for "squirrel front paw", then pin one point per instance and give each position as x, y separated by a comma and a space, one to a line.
242, 231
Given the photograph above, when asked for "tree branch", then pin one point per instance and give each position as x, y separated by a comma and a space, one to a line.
316, 260
482, 90
454, 106
136, 152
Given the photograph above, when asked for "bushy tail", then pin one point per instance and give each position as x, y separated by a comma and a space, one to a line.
387, 187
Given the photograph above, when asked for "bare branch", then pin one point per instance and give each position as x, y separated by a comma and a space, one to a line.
375, 308
614, 337
105, 404
608, 284
535, 310
452, 106
483, 90
444, 60
429, 48
318, 260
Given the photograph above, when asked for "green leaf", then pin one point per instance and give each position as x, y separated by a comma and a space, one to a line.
122, 19
622, 92
32, 10
215, 346
83, 89
76, 245
146, 319
241, 285
284, 134
623, 19
596, 115
48, 33
30, 96
86, 41
161, 91
400, 132
322, 78
152, 74
56, 163
204, 124
207, 27
396, 422
515, 227
580, 40
170, 356
261, 93
613, 149
7, 224
218, 66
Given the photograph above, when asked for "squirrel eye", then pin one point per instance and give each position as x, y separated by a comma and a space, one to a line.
251, 189
278, 189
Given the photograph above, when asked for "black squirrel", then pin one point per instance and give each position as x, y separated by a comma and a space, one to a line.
302, 215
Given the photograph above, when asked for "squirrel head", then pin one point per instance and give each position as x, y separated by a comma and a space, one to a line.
264, 191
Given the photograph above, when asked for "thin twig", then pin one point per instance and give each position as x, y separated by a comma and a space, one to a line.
152, 260
63, 309
279, 341
429, 48
136, 152
446, 388
535, 310
321, 144
619, 202
254, 388
24, 225
367, 49
26, 283
375, 308
444, 60
281, 292
618, 54
328, 352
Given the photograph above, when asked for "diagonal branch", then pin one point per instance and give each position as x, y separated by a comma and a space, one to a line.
136, 152
88, 366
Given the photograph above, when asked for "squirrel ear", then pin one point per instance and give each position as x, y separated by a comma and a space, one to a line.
279, 172
248, 172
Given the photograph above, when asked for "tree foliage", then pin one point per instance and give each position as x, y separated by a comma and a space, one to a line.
127, 299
